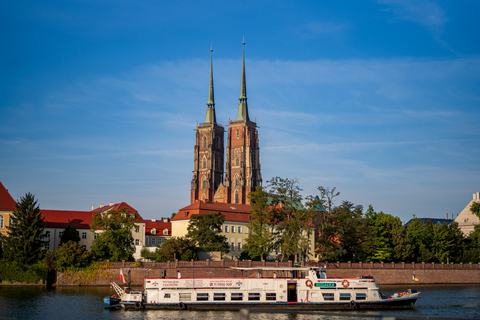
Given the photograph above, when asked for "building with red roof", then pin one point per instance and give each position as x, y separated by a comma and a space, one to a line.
157, 232
7, 206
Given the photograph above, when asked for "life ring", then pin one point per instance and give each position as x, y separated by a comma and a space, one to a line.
182, 306
138, 305
114, 296
309, 283
353, 304
345, 283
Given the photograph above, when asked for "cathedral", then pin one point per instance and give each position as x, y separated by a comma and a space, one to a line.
230, 183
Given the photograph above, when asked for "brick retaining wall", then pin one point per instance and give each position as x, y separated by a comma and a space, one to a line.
384, 273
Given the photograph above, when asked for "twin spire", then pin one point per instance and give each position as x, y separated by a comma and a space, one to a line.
242, 113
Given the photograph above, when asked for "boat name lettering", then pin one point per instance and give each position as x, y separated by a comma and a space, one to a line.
170, 283
325, 284
221, 283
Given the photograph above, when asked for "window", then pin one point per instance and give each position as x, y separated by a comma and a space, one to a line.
232, 246
328, 297
185, 296
237, 181
204, 183
137, 229
60, 234
204, 142
204, 163
237, 296
47, 246
345, 296
2, 223
84, 235
167, 295
233, 229
236, 196
47, 234
361, 296
202, 296
154, 241
239, 247
95, 236
253, 296
237, 161
153, 231
165, 232
226, 229
239, 229
84, 247
237, 134
186, 214
271, 296
219, 296
137, 242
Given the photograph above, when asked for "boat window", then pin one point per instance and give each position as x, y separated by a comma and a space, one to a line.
219, 296
167, 295
237, 296
253, 296
202, 296
185, 297
271, 296
328, 297
344, 296
361, 296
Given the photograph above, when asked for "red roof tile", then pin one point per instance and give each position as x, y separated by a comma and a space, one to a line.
61, 219
231, 211
6, 201
159, 225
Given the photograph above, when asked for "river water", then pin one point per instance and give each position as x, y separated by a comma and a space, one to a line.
30, 302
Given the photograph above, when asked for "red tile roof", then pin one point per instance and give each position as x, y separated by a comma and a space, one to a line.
231, 211
61, 219
159, 225
6, 201
118, 206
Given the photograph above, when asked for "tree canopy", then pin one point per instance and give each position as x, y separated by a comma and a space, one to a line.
70, 234
114, 241
204, 231
24, 240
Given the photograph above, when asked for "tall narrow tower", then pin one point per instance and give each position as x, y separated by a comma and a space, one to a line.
208, 152
242, 170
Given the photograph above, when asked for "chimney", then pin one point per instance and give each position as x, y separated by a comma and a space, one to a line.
165, 220
111, 204
102, 205
93, 207
154, 220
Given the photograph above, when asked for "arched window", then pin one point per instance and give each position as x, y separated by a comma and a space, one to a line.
237, 161
237, 134
154, 231
236, 196
204, 183
204, 163
237, 181
204, 142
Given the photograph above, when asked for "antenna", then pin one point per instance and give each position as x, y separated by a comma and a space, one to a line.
243, 42
211, 47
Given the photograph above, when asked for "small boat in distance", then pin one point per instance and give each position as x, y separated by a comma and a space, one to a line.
279, 288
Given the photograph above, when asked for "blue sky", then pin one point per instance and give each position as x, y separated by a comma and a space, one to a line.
99, 99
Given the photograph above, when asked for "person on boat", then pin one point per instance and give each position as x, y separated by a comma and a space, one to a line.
259, 275
179, 275
274, 274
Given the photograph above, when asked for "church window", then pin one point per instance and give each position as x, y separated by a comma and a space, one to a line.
237, 134
204, 142
237, 161
204, 183
236, 196
204, 163
237, 181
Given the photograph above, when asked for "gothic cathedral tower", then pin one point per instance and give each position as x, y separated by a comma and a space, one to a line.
242, 172
209, 152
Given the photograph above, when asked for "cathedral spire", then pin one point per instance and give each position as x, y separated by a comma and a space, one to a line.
210, 116
242, 100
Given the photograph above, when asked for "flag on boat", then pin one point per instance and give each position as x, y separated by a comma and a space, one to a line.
414, 276
122, 278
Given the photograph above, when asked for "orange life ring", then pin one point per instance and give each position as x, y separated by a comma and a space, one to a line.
345, 283
309, 283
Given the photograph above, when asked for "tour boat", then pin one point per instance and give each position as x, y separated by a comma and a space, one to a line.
279, 288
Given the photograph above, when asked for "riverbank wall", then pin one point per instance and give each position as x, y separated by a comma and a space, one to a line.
384, 273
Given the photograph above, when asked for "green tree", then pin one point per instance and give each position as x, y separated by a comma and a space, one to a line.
115, 240
293, 221
24, 239
204, 230
71, 254
475, 209
70, 234
180, 248
259, 242
472, 243
326, 237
